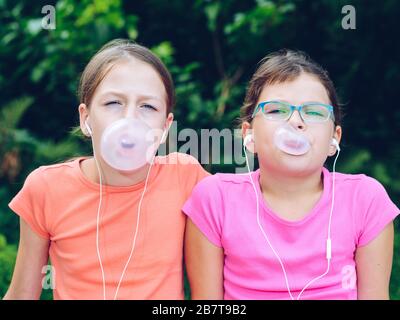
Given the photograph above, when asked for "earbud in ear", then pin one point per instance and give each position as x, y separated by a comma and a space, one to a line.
164, 135
335, 143
88, 128
247, 139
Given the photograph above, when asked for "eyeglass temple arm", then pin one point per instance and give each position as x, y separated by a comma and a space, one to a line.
259, 106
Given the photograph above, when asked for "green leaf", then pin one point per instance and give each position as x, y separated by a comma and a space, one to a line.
3, 242
12, 112
212, 11
34, 26
164, 51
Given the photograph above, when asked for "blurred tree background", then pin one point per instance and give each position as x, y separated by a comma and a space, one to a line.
211, 49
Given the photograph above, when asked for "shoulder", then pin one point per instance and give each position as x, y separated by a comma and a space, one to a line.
366, 195
182, 168
223, 183
51, 173
235, 178
369, 203
360, 184
177, 158
181, 164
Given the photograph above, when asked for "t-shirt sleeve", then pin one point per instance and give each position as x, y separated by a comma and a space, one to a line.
30, 203
205, 209
378, 212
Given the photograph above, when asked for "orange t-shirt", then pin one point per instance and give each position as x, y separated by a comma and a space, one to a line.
60, 204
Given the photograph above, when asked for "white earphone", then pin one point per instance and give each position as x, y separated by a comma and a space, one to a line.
247, 139
164, 135
335, 143
88, 128
328, 244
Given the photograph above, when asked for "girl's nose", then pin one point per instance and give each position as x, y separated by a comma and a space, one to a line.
130, 111
296, 121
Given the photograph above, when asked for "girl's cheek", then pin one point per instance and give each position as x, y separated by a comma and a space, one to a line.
266, 133
320, 142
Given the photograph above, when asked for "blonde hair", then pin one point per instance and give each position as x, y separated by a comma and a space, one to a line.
113, 51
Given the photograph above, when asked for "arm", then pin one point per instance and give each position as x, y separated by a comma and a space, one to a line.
374, 265
204, 265
33, 253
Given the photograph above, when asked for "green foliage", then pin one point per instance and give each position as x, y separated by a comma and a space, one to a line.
8, 254
12, 113
20, 153
7, 261
395, 279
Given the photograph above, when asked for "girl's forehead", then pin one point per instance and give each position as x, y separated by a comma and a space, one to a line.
132, 77
304, 88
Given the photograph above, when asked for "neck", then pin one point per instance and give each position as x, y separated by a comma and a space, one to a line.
278, 185
110, 176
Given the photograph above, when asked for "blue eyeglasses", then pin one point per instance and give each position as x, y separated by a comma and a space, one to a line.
310, 112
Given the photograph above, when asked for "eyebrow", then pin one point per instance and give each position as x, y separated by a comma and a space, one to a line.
114, 93
143, 96
305, 102
122, 95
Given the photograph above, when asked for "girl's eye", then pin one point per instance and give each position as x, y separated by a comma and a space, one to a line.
148, 106
278, 111
314, 113
114, 102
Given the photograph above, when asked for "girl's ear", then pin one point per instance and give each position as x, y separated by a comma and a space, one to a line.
337, 135
248, 137
332, 150
168, 123
83, 119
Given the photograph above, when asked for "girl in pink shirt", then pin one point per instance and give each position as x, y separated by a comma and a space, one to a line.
291, 229
111, 224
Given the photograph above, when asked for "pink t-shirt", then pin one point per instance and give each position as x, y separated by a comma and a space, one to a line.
223, 207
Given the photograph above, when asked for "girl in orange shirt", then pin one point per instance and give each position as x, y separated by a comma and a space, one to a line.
111, 224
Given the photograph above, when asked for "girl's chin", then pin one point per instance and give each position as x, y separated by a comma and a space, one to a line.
128, 172
294, 163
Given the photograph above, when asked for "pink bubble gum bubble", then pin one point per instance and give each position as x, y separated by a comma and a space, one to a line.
124, 145
290, 141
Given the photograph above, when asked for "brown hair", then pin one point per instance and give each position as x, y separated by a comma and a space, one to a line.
286, 65
101, 63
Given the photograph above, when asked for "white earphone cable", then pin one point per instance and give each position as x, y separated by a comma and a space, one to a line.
136, 229
97, 225
328, 240
328, 243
